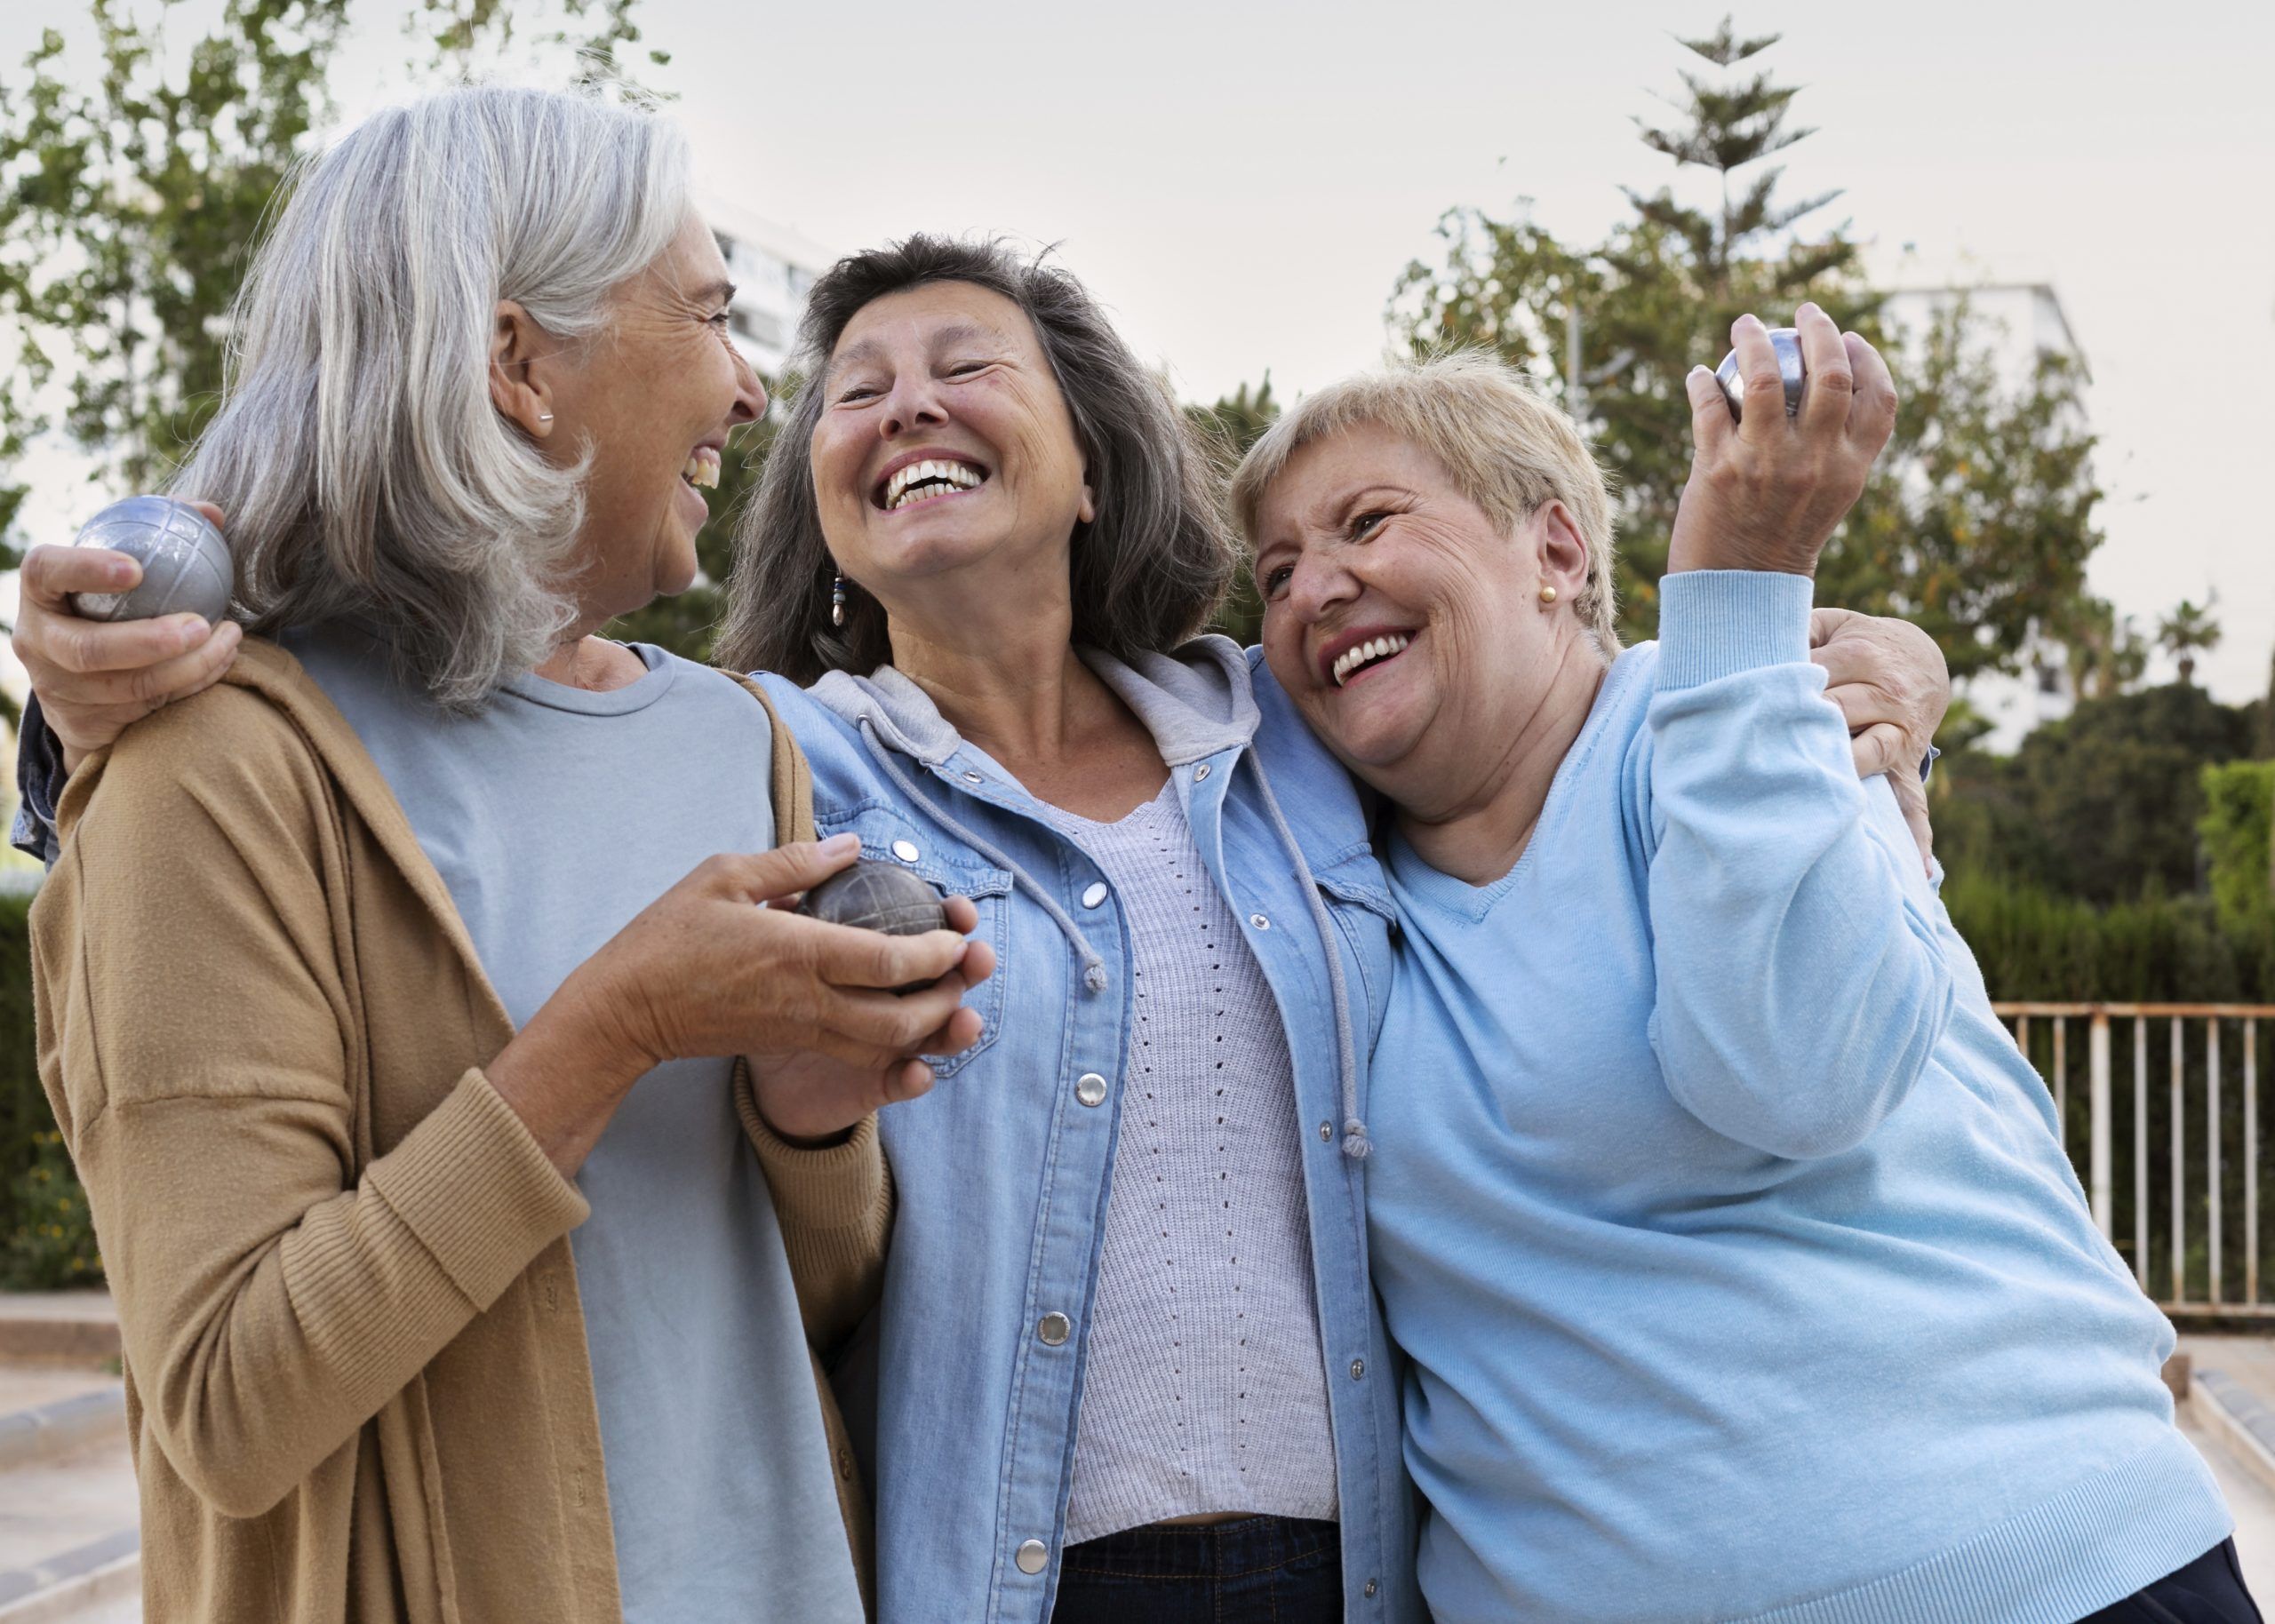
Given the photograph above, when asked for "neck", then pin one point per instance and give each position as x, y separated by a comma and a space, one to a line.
1018, 692
1478, 834
582, 659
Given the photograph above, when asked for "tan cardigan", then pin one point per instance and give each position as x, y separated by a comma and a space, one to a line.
356, 1379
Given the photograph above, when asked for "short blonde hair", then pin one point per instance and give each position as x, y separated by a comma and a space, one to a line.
1508, 450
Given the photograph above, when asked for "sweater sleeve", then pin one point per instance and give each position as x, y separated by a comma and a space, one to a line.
835, 1207
1800, 984
197, 1037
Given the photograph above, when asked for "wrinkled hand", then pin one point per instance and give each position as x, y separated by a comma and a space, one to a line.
1766, 493
807, 1097
720, 965
96, 678
1891, 681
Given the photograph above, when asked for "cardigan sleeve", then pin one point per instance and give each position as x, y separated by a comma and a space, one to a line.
835, 1207
198, 1037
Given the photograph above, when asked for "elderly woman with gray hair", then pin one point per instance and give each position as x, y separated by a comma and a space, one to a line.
389, 990
1740, 1269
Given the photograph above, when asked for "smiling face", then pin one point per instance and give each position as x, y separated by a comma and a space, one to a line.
944, 456
1407, 627
652, 397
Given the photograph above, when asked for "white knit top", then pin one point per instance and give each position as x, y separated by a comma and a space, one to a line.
1203, 1387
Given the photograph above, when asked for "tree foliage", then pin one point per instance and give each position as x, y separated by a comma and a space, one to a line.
2189, 630
2104, 804
1980, 518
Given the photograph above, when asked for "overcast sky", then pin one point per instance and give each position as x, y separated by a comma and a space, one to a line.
1243, 182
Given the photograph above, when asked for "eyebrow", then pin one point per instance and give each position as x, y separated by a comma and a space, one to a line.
722, 292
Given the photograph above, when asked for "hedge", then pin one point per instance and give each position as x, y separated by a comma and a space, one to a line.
46, 1238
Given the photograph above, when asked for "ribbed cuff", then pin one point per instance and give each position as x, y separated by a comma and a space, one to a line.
471, 1183
1716, 622
831, 1187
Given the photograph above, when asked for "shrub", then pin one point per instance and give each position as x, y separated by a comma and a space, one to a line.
46, 1238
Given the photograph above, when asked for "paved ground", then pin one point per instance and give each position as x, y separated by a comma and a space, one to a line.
48, 1506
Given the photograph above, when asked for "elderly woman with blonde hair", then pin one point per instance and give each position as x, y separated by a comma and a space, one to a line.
1740, 1270
389, 990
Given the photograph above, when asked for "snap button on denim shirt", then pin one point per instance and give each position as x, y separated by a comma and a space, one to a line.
965, 1411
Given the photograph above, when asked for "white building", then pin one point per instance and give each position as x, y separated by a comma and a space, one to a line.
772, 267
2019, 321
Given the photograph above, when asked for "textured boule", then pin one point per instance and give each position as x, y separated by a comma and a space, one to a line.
186, 562
877, 896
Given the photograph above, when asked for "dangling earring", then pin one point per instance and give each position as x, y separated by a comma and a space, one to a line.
837, 602
1548, 594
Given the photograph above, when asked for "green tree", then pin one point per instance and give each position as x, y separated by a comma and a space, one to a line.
1979, 521
1236, 422
2104, 804
2189, 630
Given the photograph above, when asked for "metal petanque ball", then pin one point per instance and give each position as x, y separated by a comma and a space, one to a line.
185, 562
877, 896
1787, 343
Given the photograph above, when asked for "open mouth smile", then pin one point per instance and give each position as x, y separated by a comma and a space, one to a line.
930, 480
701, 469
1366, 655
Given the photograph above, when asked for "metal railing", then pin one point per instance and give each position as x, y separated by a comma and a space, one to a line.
2189, 1122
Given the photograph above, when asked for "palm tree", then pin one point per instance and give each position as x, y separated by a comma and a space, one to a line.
2188, 629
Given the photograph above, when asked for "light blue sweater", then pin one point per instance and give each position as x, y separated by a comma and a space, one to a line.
1740, 1270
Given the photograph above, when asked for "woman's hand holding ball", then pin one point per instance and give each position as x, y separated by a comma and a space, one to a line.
1767, 490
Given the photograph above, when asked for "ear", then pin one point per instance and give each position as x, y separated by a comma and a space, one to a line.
517, 389
1562, 551
1088, 510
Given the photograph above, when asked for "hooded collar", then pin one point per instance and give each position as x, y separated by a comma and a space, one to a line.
1197, 702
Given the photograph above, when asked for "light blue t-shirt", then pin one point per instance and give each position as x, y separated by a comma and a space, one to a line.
1740, 1271
554, 817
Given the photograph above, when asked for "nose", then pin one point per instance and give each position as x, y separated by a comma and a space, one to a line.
750, 394
1319, 585
914, 403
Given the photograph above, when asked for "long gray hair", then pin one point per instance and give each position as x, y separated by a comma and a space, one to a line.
361, 465
1148, 572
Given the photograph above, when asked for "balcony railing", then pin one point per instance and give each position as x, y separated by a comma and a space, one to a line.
2167, 1142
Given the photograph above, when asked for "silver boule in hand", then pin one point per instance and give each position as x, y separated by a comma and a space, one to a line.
185, 562
1787, 343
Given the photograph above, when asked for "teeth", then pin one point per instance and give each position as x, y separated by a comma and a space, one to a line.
962, 476
1350, 659
701, 469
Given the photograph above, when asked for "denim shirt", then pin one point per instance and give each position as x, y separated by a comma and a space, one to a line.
963, 1388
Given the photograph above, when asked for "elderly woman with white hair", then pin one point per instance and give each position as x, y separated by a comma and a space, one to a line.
1739, 1267
429, 936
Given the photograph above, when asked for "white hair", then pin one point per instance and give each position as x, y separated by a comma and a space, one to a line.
361, 465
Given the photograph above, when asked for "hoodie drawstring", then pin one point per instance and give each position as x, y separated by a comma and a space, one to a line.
1093, 962
1355, 1142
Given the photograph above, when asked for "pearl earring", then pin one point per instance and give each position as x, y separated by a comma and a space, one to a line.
545, 417
1548, 594
837, 602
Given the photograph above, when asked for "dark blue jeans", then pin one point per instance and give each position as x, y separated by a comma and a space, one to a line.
2209, 1590
1260, 1570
